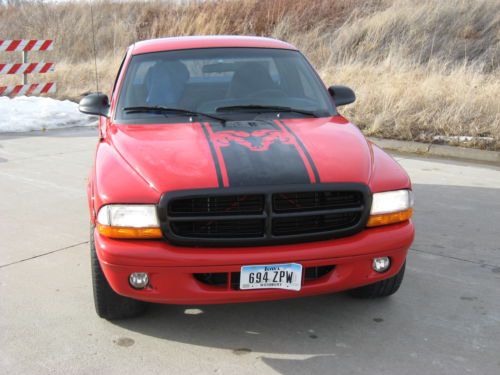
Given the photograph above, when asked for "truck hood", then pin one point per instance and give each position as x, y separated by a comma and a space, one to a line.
245, 153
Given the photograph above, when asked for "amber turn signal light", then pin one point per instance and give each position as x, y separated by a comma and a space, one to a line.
390, 218
130, 233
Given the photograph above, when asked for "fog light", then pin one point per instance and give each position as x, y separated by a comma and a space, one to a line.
381, 264
138, 280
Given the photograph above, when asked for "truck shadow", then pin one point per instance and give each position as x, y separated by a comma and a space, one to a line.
297, 326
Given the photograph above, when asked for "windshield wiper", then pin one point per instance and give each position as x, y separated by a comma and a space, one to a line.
181, 111
267, 108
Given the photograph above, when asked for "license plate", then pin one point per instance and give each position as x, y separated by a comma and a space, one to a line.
271, 276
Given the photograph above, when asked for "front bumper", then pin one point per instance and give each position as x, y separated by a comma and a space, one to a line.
171, 268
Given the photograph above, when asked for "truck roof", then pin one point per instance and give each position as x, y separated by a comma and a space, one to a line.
211, 41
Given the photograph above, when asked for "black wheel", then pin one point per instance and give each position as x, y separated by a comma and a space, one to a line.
108, 304
382, 288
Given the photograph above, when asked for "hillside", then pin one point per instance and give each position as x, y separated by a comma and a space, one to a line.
424, 70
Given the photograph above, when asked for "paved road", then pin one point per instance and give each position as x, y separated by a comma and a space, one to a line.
444, 320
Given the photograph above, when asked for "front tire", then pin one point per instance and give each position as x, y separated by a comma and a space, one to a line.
383, 288
109, 304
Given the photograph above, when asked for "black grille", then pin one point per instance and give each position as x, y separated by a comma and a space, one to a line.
315, 273
214, 279
264, 215
316, 200
313, 224
213, 205
221, 279
218, 228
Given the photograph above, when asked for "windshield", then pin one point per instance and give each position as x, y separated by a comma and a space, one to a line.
229, 82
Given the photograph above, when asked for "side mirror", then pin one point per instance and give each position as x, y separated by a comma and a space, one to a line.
95, 104
342, 95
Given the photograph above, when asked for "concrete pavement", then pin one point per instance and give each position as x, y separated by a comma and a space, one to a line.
444, 320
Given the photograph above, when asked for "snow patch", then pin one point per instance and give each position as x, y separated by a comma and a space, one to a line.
22, 114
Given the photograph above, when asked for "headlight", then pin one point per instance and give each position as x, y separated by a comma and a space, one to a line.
128, 221
391, 207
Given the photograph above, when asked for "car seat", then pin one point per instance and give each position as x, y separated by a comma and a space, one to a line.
165, 83
248, 79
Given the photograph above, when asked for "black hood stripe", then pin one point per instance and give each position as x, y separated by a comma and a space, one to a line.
214, 154
256, 153
306, 153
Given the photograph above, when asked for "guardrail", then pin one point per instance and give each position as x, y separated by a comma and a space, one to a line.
26, 67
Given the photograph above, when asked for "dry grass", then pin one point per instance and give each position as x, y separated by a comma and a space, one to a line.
419, 68
423, 70
419, 103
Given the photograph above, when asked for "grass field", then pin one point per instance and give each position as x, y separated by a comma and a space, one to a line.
426, 70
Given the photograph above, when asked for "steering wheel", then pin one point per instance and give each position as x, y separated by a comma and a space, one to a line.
277, 93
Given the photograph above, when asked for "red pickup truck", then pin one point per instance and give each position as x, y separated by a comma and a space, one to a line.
224, 173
